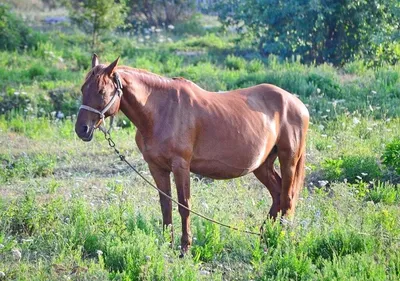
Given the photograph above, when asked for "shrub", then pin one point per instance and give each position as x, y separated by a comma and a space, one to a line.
336, 244
235, 63
255, 66
332, 169
39, 165
14, 34
391, 155
208, 243
288, 265
384, 192
351, 167
358, 166
326, 84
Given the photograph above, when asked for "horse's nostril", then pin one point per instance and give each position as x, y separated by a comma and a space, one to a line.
86, 128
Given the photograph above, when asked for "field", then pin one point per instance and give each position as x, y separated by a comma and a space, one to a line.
71, 210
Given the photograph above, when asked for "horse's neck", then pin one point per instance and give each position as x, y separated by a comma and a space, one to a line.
138, 87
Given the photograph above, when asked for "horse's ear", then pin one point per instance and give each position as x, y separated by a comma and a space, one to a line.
110, 69
95, 60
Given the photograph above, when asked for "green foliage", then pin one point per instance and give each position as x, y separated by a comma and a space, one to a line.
235, 63
352, 168
287, 265
391, 155
97, 16
191, 26
358, 166
318, 31
208, 245
26, 166
383, 192
272, 234
332, 169
14, 34
336, 244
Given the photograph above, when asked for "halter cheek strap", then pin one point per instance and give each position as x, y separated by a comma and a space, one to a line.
118, 94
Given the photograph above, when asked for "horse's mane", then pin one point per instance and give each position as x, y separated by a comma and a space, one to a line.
151, 78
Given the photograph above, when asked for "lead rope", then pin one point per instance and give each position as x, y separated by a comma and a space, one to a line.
122, 157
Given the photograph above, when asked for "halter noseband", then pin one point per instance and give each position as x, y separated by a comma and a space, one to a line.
118, 93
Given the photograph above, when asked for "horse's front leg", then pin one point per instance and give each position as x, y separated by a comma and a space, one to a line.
181, 171
163, 182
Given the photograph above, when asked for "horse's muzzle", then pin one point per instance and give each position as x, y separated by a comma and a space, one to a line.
84, 132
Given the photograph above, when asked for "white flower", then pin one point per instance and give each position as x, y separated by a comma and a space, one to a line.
171, 27
356, 121
99, 252
364, 174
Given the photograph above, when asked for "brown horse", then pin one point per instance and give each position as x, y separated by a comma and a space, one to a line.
182, 128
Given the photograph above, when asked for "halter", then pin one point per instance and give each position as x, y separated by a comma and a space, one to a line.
118, 94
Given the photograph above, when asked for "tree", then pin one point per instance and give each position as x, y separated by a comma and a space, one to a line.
319, 31
14, 33
97, 16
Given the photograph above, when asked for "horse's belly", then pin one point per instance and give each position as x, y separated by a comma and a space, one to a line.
227, 168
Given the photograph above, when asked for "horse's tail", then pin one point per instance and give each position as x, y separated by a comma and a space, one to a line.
299, 175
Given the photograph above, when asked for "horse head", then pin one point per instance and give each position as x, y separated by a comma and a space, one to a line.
99, 98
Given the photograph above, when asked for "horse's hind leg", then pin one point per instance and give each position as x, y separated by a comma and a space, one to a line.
267, 174
292, 170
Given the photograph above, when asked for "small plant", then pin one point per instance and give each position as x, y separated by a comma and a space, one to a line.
384, 192
337, 243
360, 167
208, 243
255, 66
332, 169
288, 265
25, 166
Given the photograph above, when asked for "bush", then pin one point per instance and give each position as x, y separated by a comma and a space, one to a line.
39, 165
235, 63
357, 166
391, 155
383, 192
351, 167
14, 34
336, 244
